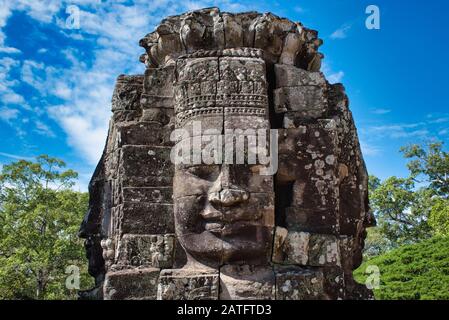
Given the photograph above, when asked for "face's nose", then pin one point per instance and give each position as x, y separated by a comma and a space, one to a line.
226, 193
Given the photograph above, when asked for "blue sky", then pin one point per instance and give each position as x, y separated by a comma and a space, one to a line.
56, 83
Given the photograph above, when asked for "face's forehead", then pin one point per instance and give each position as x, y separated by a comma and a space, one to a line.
223, 91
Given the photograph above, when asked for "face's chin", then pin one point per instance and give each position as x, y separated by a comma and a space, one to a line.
237, 243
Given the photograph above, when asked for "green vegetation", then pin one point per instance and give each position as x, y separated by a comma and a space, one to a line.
39, 218
410, 245
412, 272
411, 209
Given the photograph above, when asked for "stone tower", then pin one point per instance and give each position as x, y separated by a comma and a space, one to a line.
156, 229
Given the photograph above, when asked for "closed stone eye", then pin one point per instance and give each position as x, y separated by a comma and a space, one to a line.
204, 172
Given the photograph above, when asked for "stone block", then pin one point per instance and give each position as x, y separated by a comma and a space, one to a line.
294, 283
246, 283
144, 134
238, 119
127, 91
148, 194
146, 250
136, 284
334, 283
147, 218
324, 250
142, 166
308, 102
233, 31
159, 81
317, 220
291, 76
291, 48
290, 247
188, 284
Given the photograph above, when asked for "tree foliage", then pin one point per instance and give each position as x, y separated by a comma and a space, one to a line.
39, 219
412, 272
430, 165
439, 217
414, 208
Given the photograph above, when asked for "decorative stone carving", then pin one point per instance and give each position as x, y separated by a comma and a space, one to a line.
221, 229
146, 250
187, 284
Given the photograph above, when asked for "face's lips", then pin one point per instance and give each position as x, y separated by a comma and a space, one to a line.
213, 226
221, 229
215, 219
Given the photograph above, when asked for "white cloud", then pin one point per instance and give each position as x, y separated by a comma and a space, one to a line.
398, 131
31, 74
439, 120
380, 111
62, 91
15, 156
7, 114
8, 95
369, 150
336, 77
40, 10
331, 75
12, 98
43, 129
9, 50
5, 12
299, 9
341, 33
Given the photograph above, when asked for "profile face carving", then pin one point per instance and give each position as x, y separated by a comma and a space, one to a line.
224, 212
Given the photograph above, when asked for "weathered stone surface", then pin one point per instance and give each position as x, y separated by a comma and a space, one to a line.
291, 76
144, 166
323, 250
144, 134
299, 284
290, 247
210, 74
159, 81
323, 221
137, 284
126, 96
146, 250
308, 102
188, 284
334, 283
147, 218
302, 248
246, 283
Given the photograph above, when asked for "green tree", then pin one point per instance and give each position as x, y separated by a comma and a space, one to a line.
429, 164
412, 271
415, 208
39, 219
402, 211
439, 217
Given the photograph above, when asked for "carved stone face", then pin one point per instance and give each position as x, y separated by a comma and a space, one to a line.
224, 213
